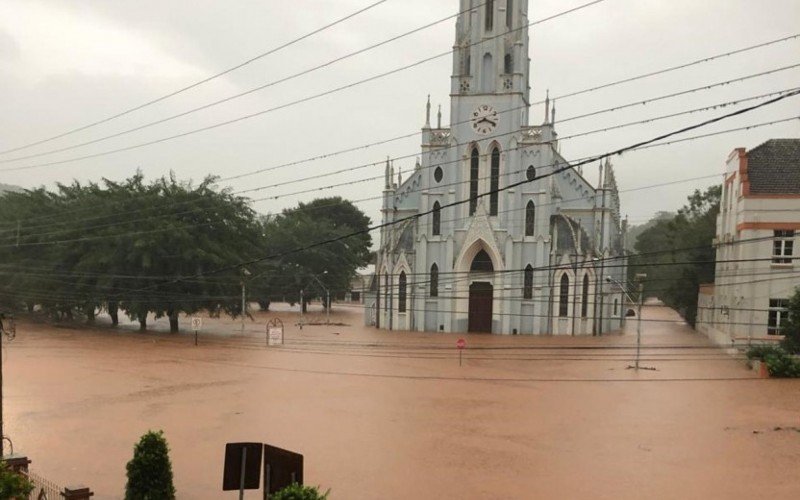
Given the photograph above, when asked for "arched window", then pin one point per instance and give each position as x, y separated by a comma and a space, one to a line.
616, 306
482, 262
474, 165
434, 280
510, 13
401, 293
530, 218
487, 75
436, 225
585, 303
489, 15
468, 66
508, 64
495, 182
527, 285
563, 296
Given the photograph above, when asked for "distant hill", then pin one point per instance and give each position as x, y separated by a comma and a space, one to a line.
8, 188
635, 231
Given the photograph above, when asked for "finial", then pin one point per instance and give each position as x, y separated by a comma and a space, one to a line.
553, 114
547, 106
388, 174
439, 118
418, 165
399, 176
428, 113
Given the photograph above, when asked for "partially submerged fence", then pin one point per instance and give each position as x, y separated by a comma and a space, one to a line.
42, 488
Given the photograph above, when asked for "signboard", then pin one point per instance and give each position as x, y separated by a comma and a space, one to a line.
197, 323
461, 343
275, 332
242, 466
281, 468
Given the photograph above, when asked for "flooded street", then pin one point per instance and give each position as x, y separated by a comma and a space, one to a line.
391, 415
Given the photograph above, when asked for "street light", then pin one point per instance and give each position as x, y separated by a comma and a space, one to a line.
640, 279
327, 297
245, 274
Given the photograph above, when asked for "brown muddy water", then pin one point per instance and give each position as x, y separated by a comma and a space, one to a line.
391, 415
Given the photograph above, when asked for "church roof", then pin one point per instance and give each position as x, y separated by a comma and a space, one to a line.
774, 167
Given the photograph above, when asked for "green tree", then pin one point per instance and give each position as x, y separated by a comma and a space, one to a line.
677, 254
297, 492
150, 470
13, 485
791, 330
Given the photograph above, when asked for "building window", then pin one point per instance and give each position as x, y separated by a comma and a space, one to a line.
782, 247
468, 65
527, 284
482, 262
616, 307
508, 64
489, 15
495, 182
434, 280
530, 174
488, 81
509, 13
436, 226
401, 293
778, 316
563, 296
438, 174
474, 166
530, 218
585, 302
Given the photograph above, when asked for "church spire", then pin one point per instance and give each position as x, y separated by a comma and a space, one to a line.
428, 113
553, 114
547, 107
388, 175
439, 118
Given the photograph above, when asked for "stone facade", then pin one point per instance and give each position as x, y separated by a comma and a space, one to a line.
539, 258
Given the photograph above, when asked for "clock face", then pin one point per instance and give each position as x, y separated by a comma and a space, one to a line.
484, 119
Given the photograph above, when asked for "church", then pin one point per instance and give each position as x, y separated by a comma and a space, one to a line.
544, 257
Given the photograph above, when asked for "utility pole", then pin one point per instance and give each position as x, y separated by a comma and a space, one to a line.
245, 274
10, 333
640, 278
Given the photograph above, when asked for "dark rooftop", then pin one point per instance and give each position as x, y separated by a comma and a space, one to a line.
774, 167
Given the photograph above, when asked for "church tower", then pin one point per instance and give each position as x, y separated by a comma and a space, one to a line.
490, 68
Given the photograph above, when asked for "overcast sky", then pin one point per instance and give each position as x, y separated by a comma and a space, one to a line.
64, 64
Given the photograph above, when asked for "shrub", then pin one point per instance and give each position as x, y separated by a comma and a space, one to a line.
760, 352
780, 363
13, 485
297, 492
150, 471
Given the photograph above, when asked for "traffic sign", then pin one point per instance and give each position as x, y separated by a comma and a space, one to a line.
197, 323
461, 343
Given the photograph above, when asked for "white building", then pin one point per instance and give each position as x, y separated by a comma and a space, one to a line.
533, 259
756, 236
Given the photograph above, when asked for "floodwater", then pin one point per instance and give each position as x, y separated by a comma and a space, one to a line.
391, 415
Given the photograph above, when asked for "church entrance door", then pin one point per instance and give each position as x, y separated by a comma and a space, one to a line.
480, 307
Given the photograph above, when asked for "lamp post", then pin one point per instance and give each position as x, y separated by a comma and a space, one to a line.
640, 280
327, 297
245, 274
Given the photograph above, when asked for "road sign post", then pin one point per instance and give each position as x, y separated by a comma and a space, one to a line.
242, 469
197, 324
460, 345
274, 332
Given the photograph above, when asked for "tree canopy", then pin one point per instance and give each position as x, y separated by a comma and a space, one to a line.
677, 253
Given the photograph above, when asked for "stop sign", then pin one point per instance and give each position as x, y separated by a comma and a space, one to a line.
461, 343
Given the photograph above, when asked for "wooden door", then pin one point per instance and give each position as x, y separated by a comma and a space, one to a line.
480, 307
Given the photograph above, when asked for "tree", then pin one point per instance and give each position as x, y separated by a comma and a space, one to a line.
13, 485
297, 492
791, 331
150, 470
677, 254
333, 264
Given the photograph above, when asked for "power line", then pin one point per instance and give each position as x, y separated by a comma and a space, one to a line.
198, 83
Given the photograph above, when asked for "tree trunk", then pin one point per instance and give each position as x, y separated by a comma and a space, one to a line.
113, 311
142, 323
30, 305
173, 321
303, 305
90, 314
